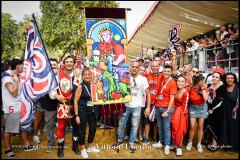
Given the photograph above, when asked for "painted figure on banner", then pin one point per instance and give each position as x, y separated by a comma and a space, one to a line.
106, 47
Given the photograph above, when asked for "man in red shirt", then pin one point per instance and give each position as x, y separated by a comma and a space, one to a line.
154, 80
165, 108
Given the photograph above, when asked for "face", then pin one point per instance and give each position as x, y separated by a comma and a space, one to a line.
69, 64
195, 71
230, 80
155, 67
135, 68
20, 68
216, 78
157, 59
167, 72
222, 28
185, 68
54, 66
142, 70
106, 35
213, 67
87, 76
181, 82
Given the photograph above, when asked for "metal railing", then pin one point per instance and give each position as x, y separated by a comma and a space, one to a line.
205, 58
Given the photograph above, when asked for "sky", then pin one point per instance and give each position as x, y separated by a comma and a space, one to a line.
138, 10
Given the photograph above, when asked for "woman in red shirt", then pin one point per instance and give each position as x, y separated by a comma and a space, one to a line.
180, 115
198, 95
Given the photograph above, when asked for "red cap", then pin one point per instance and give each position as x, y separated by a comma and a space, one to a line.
219, 70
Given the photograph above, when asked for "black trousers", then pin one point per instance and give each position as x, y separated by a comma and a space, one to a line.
90, 119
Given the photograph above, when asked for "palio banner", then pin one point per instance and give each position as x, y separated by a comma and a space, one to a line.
107, 52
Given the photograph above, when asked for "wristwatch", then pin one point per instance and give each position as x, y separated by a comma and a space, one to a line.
77, 115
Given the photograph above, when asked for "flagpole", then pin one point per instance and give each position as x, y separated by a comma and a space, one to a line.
40, 39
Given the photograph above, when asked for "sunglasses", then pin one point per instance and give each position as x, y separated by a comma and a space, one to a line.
196, 72
135, 84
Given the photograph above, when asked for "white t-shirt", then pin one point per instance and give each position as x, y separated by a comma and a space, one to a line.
138, 92
7, 99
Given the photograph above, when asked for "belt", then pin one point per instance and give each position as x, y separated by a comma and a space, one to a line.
67, 103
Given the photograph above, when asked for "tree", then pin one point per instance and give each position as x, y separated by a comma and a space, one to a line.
9, 36
14, 36
63, 23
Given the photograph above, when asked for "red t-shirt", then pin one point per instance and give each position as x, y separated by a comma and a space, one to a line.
154, 82
166, 89
195, 97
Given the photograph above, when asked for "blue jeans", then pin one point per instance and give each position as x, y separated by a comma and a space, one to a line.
164, 125
135, 120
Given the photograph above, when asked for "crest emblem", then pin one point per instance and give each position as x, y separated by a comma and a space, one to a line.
65, 85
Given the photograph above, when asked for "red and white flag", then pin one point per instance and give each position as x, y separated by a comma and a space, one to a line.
38, 77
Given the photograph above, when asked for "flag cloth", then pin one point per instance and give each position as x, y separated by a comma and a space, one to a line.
38, 77
174, 39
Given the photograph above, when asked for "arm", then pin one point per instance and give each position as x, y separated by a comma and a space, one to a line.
76, 99
147, 110
185, 102
170, 105
13, 87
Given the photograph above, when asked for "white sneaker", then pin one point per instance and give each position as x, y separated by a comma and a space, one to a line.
39, 132
172, 146
36, 139
93, 149
179, 151
157, 145
199, 148
84, 154
166, 150
189, 146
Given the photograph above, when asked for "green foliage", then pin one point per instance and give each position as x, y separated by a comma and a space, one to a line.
9, 36
14, 36
63, 23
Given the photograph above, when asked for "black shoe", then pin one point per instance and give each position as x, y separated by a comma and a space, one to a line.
132, 149
117, 145
60, 149
211, 148
75, 147
28, 148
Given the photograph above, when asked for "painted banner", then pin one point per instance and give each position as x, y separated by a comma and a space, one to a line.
38, 77
107, 51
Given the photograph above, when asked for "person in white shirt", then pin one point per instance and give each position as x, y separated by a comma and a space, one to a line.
11, 91
139, 90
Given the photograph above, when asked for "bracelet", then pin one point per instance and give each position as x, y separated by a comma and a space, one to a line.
77, 115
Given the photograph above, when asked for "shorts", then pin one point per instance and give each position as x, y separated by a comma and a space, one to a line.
146, 119
198, 111
12, 122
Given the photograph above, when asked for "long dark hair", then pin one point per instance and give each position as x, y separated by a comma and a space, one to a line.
230, 73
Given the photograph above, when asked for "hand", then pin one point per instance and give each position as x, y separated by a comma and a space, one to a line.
60, 98
210, 111
147, 112
77, 118
15, 78
165, 114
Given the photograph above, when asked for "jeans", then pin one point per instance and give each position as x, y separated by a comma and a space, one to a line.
164, 125
135, 114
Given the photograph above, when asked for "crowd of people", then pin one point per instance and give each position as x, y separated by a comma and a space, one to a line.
168, 105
